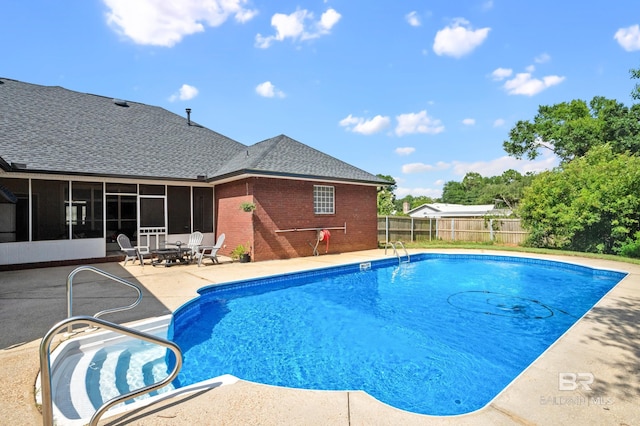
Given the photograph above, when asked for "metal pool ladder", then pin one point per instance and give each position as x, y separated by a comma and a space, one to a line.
45, 348
112, 277
395, 251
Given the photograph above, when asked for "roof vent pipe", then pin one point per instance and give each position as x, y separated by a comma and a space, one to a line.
189, 116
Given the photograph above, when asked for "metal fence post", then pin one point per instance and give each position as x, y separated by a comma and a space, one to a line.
491, 229
386, 225
453, 230
412, 225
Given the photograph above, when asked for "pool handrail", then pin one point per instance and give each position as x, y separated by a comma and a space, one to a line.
112, 277
45, 365
395, 250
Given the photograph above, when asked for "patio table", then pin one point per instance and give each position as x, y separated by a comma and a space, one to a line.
185, 252
170, 256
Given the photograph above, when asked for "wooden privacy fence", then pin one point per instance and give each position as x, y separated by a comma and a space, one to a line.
403, 228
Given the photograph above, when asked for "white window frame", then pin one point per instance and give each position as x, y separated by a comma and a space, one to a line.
324, 199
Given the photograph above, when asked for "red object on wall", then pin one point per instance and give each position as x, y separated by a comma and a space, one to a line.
324, 235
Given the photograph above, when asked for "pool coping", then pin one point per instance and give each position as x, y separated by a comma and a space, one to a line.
495, 403
184, 311
604, 342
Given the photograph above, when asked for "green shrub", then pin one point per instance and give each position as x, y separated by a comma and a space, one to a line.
631, 247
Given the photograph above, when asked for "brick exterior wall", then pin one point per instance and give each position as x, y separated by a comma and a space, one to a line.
288, 204
230, 219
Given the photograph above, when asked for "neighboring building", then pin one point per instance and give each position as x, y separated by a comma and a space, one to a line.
440, 210
76, 169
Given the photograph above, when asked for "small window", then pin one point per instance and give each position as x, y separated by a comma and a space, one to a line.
323, 199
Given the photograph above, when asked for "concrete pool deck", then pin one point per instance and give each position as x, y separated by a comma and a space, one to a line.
604, 344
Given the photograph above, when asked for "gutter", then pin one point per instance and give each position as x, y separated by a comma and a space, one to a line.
245, 173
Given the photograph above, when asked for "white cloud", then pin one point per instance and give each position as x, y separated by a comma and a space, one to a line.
328, 20
185, 93
498, 122
418, 123
268, 90
530, 68
629, 38
499, 165
295, 26
489, 168
245, 15
402, 192
413, 19
363, 126
349, 121
459, 39
525, 84
542, 58
405, 150
487, 5
469, 121
163, 23
501, 73
413, 168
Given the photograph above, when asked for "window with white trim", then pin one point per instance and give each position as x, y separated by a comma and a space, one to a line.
323, 199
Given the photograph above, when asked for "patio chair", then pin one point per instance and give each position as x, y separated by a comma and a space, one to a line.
209, 251
195, 241
189, 249
132, 252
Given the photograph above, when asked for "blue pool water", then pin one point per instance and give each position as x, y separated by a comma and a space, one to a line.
441, 335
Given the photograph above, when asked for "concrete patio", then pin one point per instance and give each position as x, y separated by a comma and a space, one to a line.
605, 343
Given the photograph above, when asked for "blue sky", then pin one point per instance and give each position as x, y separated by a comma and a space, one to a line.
424, 91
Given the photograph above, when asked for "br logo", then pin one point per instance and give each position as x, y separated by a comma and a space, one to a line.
571, 381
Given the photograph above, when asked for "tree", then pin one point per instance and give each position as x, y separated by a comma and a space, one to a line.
399, 204
635, 75
571, 129
620, 124
505, 189
591, 204
412, 201
386, 196
454, 193
420, 200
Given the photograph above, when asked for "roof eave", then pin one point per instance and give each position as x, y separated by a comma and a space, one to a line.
106, 175
246, 173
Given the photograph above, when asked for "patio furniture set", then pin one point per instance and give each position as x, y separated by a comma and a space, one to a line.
177, 253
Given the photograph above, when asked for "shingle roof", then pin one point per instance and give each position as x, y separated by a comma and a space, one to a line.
283, 155
56, 130
52, 129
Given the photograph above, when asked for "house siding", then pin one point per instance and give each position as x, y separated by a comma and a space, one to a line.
283, 204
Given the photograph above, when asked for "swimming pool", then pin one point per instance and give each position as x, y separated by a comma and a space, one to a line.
441, 335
